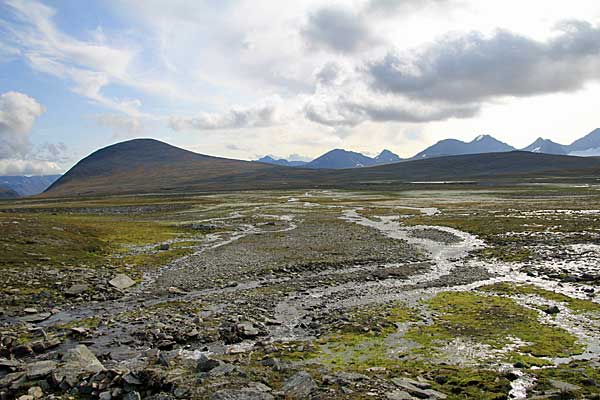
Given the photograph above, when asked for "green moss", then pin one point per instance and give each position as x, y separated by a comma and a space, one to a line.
512, 289
525, 361
89, 323
580, 373
491, 320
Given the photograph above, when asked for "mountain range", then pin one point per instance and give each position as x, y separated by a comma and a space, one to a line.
27, 185
151, 166
589, 145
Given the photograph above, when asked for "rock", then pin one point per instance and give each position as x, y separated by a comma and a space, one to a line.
132, 396
206, 364
105, 395
35, 317
243, 394
417, 388
398, 395
6, 364
8, 379
164, 246
299, 386
552, 310
564, 386
40, 369
22, 350
76, 362
121, 282
30, 310
36, 392
204, 227
79, 330
176, 290
274, 363
26, 397
76, 289
247, 330
223, 369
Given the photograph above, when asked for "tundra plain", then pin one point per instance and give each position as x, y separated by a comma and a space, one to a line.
443, 291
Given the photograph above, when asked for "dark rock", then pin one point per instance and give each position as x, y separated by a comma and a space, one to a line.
299, 386
552, 310
206, 364
76, 289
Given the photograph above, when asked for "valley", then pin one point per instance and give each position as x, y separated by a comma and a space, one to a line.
435, 291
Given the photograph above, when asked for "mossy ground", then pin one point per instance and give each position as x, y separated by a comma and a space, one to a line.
576, 305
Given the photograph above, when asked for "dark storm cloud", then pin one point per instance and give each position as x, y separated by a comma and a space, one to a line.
474, 68
344, 112
338, 29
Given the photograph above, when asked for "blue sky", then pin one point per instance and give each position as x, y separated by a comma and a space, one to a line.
243, 79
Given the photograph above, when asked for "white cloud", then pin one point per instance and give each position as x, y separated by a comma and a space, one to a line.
28, 167
122, 126
235, 118
18, 113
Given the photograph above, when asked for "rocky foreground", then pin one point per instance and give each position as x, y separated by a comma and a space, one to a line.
311, 295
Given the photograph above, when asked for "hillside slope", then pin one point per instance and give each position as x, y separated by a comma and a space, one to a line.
147, 165
150, 166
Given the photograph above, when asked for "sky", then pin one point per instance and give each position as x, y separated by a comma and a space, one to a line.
243, 79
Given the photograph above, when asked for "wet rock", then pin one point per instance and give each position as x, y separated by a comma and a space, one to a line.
77, 362
242, 394
121, 282
164, 247
299, 386
552, 310
35, 317
40, 369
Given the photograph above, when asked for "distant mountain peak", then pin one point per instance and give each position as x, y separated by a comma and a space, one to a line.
541, 145
387, 157
268, 159
453, 147
341, 159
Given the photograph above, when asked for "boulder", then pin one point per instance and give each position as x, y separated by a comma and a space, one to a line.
552, 310
121, 282
77, 361
205, 364
242, 394
35, 317
40, 369
76, 289
299, 386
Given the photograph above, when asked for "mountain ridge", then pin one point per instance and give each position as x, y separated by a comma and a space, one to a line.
150, 166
